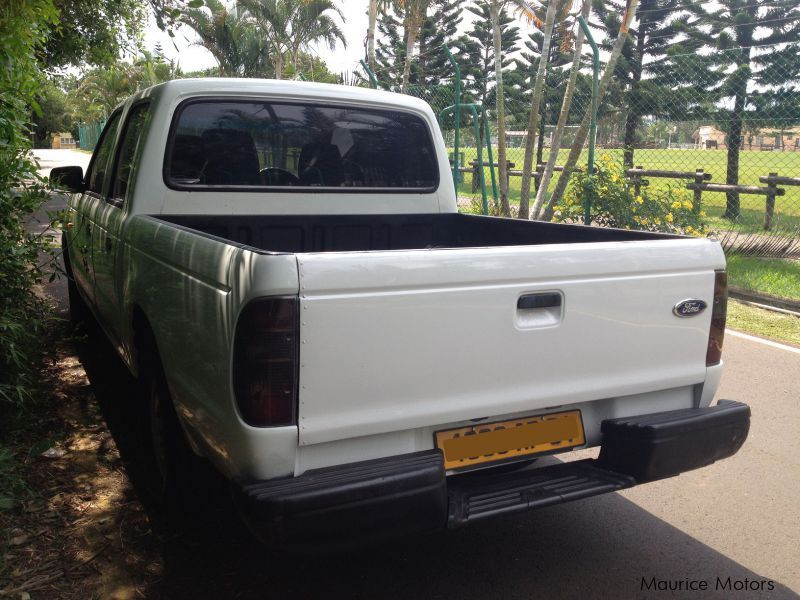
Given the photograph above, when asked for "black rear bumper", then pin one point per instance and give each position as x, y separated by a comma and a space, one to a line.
410, 494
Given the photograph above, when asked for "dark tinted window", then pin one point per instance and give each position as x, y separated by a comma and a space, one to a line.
101, 162
229, 143
128, 153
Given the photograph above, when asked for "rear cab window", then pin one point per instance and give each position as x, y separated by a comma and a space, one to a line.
246, 144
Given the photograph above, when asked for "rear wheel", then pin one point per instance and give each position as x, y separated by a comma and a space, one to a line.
171, 470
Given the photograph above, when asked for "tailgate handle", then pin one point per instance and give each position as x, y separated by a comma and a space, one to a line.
544, 300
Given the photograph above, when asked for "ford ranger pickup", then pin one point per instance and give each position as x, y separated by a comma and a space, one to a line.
283, 267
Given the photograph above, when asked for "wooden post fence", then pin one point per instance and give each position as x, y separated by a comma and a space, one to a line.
773, 180
698, 175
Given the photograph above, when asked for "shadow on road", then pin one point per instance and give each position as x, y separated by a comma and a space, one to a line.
598, 548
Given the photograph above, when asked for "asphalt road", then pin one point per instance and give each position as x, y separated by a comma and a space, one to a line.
736, 519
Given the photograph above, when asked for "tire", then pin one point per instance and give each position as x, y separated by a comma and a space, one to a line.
78, 311
171, 471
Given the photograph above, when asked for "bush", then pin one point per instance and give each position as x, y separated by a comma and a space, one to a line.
615, 204
23, 26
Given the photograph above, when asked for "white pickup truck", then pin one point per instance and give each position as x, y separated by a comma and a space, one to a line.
283, 267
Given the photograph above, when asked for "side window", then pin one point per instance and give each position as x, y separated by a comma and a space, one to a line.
101, 162
129, 150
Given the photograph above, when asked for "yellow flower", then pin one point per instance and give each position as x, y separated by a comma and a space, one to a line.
669, 217
676, 204
702, 213
639, 200
687, 204
657, 221
690, 230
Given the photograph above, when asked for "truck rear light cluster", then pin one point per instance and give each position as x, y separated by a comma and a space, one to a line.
265, 361
719, 311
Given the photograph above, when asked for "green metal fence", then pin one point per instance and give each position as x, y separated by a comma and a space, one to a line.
681, 144
89, 133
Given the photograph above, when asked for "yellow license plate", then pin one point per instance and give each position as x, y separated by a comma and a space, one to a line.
490, 442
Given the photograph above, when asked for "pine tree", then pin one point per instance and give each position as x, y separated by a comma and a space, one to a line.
476, 53
440, 28
745, 37
429, 65
390, 53
651, 36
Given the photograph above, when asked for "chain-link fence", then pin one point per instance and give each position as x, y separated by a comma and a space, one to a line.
704, 142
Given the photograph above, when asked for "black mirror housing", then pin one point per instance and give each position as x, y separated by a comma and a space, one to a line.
68, 178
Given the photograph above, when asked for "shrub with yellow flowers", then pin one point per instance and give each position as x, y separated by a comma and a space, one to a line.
615, 204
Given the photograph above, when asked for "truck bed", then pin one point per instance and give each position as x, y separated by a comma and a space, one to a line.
353, 233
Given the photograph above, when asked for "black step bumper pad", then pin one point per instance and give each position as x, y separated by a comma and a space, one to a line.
368, 500
664, 444
480, 495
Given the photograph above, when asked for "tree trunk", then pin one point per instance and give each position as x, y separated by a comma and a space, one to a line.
411, 40
540, 137
533, 123
734, 143
635, 108
373, 19
583, 130
278, 65
494, 11
558, 134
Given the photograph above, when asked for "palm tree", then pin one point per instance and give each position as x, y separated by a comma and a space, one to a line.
107, 87
496, 8
372, 11
225, 34
583, 130
555, 144
414, 12
553, 6
291, 25
312, 22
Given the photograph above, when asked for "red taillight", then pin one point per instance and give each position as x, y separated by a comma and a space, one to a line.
265, 361
719, 311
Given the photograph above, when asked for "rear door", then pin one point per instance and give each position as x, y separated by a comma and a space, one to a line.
398, 340
85, 207
110, 215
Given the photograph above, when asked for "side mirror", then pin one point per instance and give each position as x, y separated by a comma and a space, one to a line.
68, 178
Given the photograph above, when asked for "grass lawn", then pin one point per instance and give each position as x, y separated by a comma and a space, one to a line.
753, 164
764, 323
770, 276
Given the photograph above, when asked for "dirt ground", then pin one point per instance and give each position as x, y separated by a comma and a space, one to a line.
81, 532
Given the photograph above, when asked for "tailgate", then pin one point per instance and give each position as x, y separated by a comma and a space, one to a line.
403, 339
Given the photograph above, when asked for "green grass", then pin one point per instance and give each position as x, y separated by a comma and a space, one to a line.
770, 276
753, 164
764, 323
